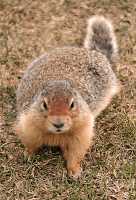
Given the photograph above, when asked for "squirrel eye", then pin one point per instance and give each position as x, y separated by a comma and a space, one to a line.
45, 105
72, 105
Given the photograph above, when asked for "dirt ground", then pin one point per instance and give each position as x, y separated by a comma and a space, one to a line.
28, 29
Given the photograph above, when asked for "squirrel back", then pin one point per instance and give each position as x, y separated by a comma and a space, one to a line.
87, 68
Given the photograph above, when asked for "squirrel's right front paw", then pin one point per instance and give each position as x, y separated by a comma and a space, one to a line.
27, 155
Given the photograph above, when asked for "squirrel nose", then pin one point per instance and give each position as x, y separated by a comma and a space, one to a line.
59, 125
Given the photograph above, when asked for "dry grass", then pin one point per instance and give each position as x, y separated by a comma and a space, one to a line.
27, 29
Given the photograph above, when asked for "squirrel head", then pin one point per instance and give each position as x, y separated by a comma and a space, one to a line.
59, 105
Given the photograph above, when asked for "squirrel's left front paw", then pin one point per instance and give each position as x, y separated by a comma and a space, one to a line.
75, 173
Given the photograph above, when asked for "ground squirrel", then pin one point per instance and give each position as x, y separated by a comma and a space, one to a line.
63, 91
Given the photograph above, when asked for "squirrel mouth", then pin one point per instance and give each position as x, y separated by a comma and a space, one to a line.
59, 126
58, 130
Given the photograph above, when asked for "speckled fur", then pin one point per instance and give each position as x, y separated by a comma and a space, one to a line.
84, 74
90, 72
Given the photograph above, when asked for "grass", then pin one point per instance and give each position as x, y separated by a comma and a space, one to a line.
29, 28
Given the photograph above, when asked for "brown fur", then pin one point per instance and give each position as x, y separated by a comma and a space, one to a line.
32, 130
82, 75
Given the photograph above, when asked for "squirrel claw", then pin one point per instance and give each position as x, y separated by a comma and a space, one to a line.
75, 175
27, 156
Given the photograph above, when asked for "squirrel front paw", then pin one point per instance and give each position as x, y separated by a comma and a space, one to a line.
75, 172
27, 156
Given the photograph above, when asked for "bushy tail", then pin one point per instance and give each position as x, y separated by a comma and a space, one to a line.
100, 36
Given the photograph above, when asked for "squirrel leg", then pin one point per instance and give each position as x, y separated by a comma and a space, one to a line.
32, 140
29, 134
77, 148
64, 149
